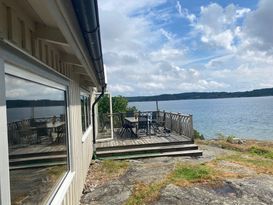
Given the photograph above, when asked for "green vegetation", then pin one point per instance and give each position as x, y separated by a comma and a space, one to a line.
112, 167
261, 151
203, 95
56, 171
198, 135
119, 104
191, 172
145, 193
259, 164
230, 138
183, 174
254, 154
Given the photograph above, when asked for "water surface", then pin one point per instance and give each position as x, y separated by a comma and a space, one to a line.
250, 118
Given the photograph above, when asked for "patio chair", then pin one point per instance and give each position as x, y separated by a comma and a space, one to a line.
130, 114
143, 124
126, 127
154, 122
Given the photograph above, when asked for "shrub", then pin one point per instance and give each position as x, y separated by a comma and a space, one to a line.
197, 135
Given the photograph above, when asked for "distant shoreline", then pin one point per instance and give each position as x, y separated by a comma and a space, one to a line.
266, 92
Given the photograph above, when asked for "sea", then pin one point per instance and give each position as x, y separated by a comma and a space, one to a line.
246, 118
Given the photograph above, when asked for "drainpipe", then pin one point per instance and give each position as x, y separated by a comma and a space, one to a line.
93, 120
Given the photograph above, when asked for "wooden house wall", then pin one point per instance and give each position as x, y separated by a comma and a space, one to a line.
19, 29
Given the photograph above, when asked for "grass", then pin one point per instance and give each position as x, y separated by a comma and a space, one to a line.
197, 135
254, 147
114, 166
254, 154
257, 163
191, 173
55, 172
261, 151
183, 174
145, 193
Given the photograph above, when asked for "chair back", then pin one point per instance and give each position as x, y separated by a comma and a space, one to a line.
130, 114
121, 118
143, 122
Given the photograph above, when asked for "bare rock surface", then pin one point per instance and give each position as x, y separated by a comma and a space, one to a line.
254, 189
113, 192
248, 191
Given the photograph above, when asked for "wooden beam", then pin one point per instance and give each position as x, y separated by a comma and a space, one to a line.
50, 34
79, 70
70, 59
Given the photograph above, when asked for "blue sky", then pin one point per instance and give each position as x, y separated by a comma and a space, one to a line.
171, 46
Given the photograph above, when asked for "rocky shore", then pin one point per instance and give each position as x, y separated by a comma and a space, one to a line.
227, 173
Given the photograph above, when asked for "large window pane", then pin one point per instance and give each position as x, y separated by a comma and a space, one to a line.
37, 136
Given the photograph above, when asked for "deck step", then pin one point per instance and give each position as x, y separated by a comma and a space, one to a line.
39, 158
191, 153
132, 146
32, 160
143, 150
29, 166
37, 154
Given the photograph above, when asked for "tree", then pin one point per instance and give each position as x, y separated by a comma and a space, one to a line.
119, 104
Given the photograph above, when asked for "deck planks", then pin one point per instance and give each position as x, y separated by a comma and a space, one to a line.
152, 139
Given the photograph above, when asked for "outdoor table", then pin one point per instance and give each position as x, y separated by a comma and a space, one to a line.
54, 127
132, 121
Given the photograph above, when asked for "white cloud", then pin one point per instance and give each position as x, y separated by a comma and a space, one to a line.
144, 56
217, 25
258, 27
120, 88
201, 85
183, 12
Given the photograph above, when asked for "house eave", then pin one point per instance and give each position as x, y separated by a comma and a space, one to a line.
67, 21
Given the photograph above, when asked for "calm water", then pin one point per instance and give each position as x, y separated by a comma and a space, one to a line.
242, 117
16, 114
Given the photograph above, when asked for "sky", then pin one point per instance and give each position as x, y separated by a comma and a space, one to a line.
153, 47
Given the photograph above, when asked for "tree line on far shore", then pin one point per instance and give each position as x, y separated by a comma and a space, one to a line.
203, 95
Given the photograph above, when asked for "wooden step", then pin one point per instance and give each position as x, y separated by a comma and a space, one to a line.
143, 150
37, 161
191, 153
29, 166
37, 154
131, 146
25, 159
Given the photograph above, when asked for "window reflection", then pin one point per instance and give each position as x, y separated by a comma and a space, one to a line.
85, 109
37, 136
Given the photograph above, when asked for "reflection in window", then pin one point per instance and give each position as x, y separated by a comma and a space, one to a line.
37, 136
85, 109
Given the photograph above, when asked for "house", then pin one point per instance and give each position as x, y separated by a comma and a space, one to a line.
50, 69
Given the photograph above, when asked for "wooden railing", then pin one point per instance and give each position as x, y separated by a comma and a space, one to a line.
179, 123
176, 122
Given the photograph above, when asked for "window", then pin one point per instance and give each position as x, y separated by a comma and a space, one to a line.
85, 111
37, 138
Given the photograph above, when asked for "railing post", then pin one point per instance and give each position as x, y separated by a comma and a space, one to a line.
164, 118
191, 128
171, 120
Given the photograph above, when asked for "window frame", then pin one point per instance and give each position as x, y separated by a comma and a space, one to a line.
63, 84
87, 132
88, 121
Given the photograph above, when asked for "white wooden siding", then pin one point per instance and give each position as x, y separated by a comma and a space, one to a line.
18, 28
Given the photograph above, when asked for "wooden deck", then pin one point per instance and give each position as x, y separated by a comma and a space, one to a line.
34, 149
143, 140
37, 156
147, 146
